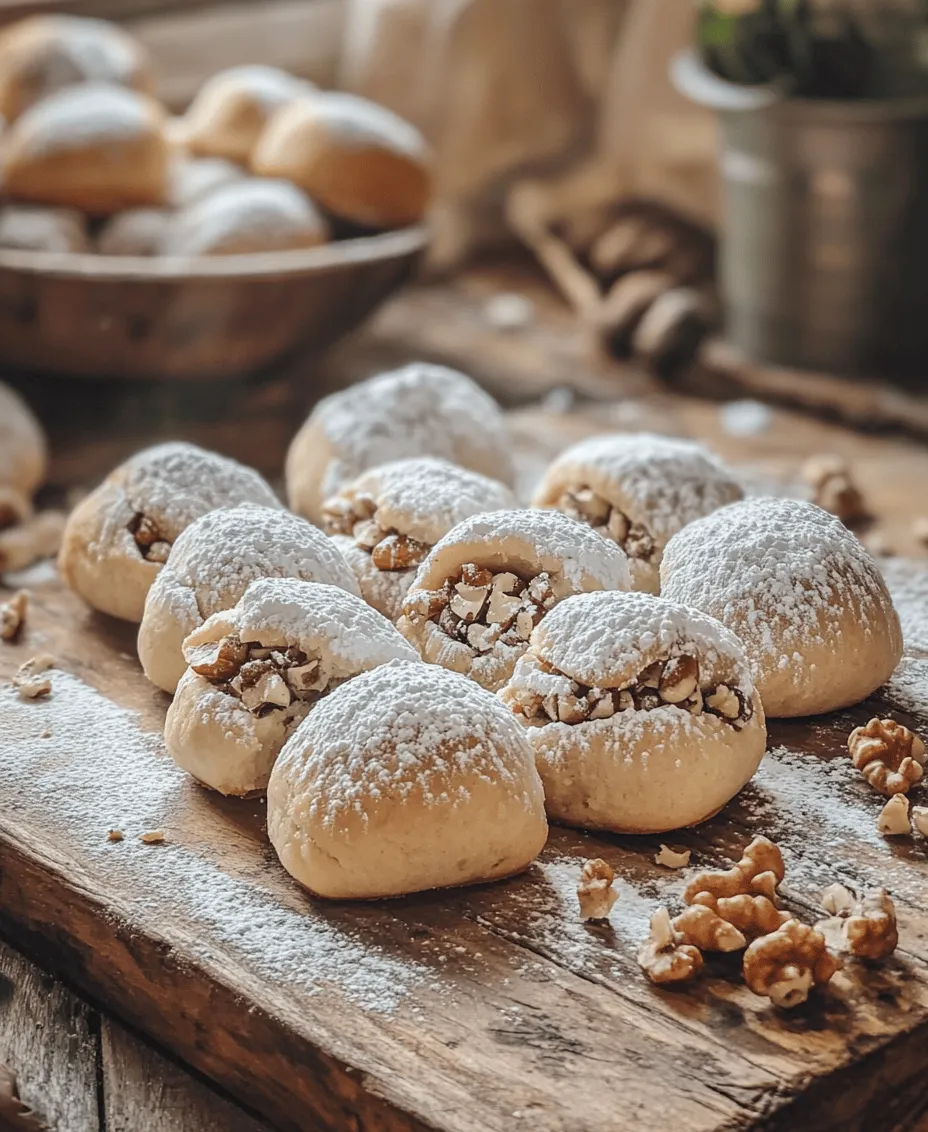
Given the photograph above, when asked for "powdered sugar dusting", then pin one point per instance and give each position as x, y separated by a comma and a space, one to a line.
79, 116
176, 483
426, 497
320, 619
124, 780
578, 551
659, 481
783, 570
269, 87
419, 410
221, 553
403, 729
595, 636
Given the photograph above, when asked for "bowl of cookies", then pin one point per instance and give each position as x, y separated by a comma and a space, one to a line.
270, 217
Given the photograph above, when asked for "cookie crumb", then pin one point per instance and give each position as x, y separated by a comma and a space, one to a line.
114, 835
13, 615
153, 837
27, 681
46, 734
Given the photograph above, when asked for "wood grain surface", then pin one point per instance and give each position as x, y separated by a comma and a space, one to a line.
481, 1009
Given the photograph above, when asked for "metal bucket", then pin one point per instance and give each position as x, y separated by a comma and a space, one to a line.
824, 250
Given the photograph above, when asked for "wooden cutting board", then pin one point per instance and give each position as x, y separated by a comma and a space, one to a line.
483, 1009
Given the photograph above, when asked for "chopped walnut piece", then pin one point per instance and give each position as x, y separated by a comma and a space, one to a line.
152, 544
665, 957
920, 819
220, 660
114, 835
706, 930
595, 891
154, 837
893, 819
36, 538
587, 506
671, 859
13, 615
888, 755
787, 963
679, 680
29, 682
759, 872
398, 552
833, 489
864, 926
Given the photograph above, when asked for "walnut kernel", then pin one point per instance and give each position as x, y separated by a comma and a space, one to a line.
664, 956
893, 819
787, 963
705, 929
13, 615
888, 755
594, 890
758, 873
671, 859
864, 926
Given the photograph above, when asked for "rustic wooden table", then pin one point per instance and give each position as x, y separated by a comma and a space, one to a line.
81, 1069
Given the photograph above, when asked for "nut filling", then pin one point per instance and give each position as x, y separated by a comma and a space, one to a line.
481, 608
354, 517
585, 505
666, 683
153, 546
264, 679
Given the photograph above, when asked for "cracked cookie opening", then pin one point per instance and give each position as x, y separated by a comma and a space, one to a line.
153, 546
585, 505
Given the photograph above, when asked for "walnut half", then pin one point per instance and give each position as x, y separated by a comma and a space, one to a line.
888, 755
665, 956
864, 926
785, 965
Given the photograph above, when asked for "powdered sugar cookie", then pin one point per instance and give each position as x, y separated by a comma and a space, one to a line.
211, 565
387, 520
119, 536
96, 148
137, 231
251, 215
256, 670
22, 445
43, 54
641, 712
43, 229
800, 591
485, 586
232, 108
360, 161
637, 490
407, 778
419, 410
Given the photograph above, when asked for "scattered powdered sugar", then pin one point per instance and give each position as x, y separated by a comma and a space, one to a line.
321, 619
253, 211
221, 553
781, 570
404, 729
85, 50
175, 483
558, 542
595, 637
908, 587
424, 498
96, 772
79, 116
659, 481
419, 410
268, 87
364, 125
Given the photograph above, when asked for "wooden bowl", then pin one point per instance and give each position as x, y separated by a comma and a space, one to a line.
127, 316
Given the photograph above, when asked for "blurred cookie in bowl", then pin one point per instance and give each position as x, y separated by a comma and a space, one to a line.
98, 148
34, 229
361, 162
137, 231
418, 410
192, 178
252, 215
228, 115
43, 54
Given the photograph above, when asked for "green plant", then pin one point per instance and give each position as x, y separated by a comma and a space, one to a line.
818, 48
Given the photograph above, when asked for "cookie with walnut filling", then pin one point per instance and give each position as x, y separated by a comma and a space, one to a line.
642, 713
486, 585
211, 565
119, 536
637, 490
387, 520
256, 670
